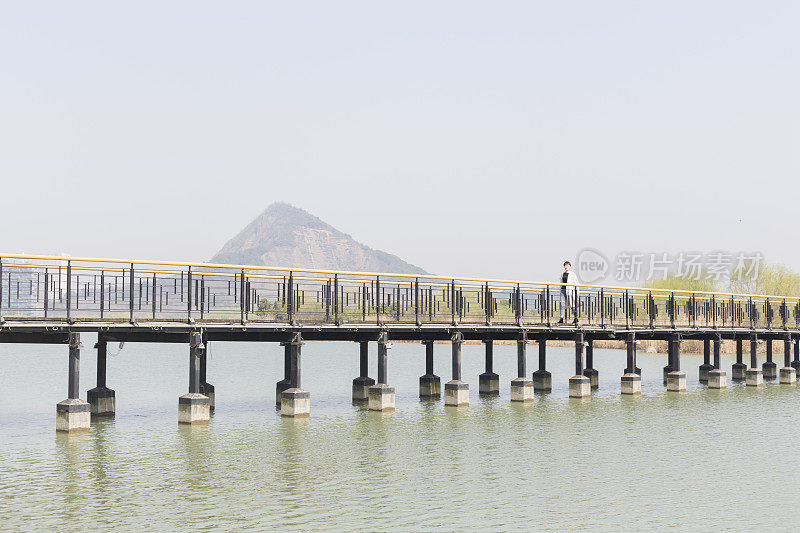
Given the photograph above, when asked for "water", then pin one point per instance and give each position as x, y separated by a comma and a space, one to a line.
720, 460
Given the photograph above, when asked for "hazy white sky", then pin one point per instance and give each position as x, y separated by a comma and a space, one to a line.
475, 138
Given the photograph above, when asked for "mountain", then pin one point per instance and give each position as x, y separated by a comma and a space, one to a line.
284, 235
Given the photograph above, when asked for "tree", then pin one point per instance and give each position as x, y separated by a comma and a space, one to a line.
778, 280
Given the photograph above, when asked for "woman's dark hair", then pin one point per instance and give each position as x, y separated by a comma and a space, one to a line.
567, 263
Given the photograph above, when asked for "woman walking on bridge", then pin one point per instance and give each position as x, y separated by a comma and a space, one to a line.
568, 293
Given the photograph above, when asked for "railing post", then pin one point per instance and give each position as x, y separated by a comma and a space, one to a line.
378, 300
784, 312
335, 297
69, 292
102, 292
627, 310
130, 307
713, 311
672, 309
768, 312
416, 301
242, 297
453, 303
547, 303
154, 296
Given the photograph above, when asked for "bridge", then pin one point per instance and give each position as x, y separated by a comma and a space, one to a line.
54, 299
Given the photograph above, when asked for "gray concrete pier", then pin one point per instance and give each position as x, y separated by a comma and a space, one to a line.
456, 392
739, 369
769, 367
631, 381
542, 379
295, 402
676, 380
579, 385
363, 382
706, 366
754, 376
489, 382
717, 378
73, 414
430, 385
194, 407
521, 386
788, 375
381, 395
102, 400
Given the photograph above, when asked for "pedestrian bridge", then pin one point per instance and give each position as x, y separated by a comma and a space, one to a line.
53, 299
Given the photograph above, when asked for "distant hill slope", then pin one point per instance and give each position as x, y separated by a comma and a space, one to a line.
284, 235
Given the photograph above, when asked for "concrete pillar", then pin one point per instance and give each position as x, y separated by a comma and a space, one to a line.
295, 402
631, 381
769, 368
667, 369
676, 380
102, 400
456, 392
430, 385
381, 395
579, 386
489, 382
717, 378
542, 379
363, 382
590, 372
206, 388
521, 386
739, 369
73, 414
754, 376
284, 384
706, 366
788, 375
194, 408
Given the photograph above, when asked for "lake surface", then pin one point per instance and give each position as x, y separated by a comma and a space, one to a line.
704, 459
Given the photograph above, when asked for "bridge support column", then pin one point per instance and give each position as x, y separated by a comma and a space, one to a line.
755, 377
796, 361
102, 400
788, 375
363, 382
430, 385
72, 414
542, 379
193, 408
206, 388
589, 371
381, 395
706, 366
631, 381
579, 386
489, 382
676, 380
456, 392
769, 368
716, 376
739, 369
284, 384
670, 356
295, 402
521, 386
